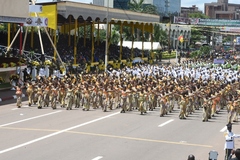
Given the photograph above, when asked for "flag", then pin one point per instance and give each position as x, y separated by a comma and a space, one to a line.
180, 38
49, 12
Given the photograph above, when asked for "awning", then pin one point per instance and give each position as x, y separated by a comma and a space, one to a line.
138, 44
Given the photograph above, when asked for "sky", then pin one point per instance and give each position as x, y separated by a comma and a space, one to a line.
184, 3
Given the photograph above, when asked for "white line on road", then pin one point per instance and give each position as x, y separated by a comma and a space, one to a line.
26, 106
163, 124
56, 133
97, 158
223, 129
8, 124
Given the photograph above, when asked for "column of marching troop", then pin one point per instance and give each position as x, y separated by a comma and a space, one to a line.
143, 88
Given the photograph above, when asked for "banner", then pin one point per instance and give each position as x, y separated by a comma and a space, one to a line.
230, 29
35, 8
238, 40
219, 22
184, 20
36, 21
50, 12
12, 19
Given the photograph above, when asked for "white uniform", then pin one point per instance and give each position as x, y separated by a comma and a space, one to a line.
229, 137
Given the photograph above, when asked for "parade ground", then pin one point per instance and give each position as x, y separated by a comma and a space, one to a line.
29, 133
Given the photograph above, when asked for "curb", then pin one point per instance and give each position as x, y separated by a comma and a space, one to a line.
10, 98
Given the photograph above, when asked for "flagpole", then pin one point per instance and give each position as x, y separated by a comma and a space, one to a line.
107, 35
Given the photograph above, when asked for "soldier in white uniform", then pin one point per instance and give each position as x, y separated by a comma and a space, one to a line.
229, 141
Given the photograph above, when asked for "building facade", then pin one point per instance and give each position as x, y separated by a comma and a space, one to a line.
186, 10
168, 6
175, 31
105, 3
222, 10
163, 6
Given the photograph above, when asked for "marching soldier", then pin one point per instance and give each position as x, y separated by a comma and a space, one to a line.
39, 96
123, 100
182, 105
62, 95
69, 97
205, 107
19, 95
141, 100
29, 92
105, 100
86, 98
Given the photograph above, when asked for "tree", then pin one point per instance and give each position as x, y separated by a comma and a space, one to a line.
150, 9
136, 6
160, 35
115, 37
197, 15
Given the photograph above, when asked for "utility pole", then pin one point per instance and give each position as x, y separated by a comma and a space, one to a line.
107, 36
167, 3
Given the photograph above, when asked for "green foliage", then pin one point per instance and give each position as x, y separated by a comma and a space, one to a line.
115, 37
166, 55
160, 35
196, 36
138, 6
197, 15
195, 54
150, 9
205, 50
88, 31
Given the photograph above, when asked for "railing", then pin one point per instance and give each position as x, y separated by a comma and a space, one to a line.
29, 56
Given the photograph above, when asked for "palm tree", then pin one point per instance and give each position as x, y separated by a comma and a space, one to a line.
136, 6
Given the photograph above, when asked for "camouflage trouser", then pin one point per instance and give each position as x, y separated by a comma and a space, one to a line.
142, 106
62, 100
163, 109
86, 103
54, 102
69, 102
124, 104
205, 114
19, 100
30, 98
39, 100
182, 114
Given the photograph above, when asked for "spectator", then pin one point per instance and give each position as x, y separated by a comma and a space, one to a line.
236, 153
191, 157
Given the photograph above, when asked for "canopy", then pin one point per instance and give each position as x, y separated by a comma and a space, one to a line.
138, 44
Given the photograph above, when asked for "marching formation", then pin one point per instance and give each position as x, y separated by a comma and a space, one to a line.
187, 86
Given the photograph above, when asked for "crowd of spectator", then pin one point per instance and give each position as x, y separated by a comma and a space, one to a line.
66, 49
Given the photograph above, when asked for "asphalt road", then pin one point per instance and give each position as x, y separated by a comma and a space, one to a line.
29, 133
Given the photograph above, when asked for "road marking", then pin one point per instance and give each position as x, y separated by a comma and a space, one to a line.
184, 143
8, 124
97, 158
223, 129
163, 124
56, 133
26, 106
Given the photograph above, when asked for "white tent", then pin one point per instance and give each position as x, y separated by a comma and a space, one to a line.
138, 44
